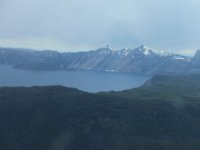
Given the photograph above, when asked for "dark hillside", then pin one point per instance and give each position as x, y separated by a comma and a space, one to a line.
164, 114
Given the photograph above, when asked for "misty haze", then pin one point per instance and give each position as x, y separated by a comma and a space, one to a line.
99, 75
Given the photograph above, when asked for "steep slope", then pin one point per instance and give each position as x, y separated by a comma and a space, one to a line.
139, 60
195, 64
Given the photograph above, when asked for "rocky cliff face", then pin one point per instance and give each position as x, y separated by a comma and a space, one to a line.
195, 64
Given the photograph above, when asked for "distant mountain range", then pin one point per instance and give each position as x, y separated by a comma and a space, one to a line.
141, 60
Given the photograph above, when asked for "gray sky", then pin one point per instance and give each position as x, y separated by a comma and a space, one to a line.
74, 25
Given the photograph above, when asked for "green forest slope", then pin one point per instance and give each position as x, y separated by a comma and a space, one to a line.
164, 114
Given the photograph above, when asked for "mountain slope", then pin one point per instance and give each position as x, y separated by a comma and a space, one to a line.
159, 115
139, 60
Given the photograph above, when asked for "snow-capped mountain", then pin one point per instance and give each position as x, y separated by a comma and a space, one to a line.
141, 60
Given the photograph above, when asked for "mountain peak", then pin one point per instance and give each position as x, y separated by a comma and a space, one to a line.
108, 47
142, 47
145, 50
197, 54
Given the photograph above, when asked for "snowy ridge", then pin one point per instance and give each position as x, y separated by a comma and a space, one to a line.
149, 51
140, 60
142, 50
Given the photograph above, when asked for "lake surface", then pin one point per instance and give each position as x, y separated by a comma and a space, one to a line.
91, 81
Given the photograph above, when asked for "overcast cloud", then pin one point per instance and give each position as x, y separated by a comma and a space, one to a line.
74, 25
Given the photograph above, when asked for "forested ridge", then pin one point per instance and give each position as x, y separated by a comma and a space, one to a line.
164, 114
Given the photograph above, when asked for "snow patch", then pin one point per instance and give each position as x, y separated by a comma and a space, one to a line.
181, 58
111, 70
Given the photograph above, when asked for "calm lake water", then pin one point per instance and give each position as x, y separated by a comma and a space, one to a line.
91, 81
